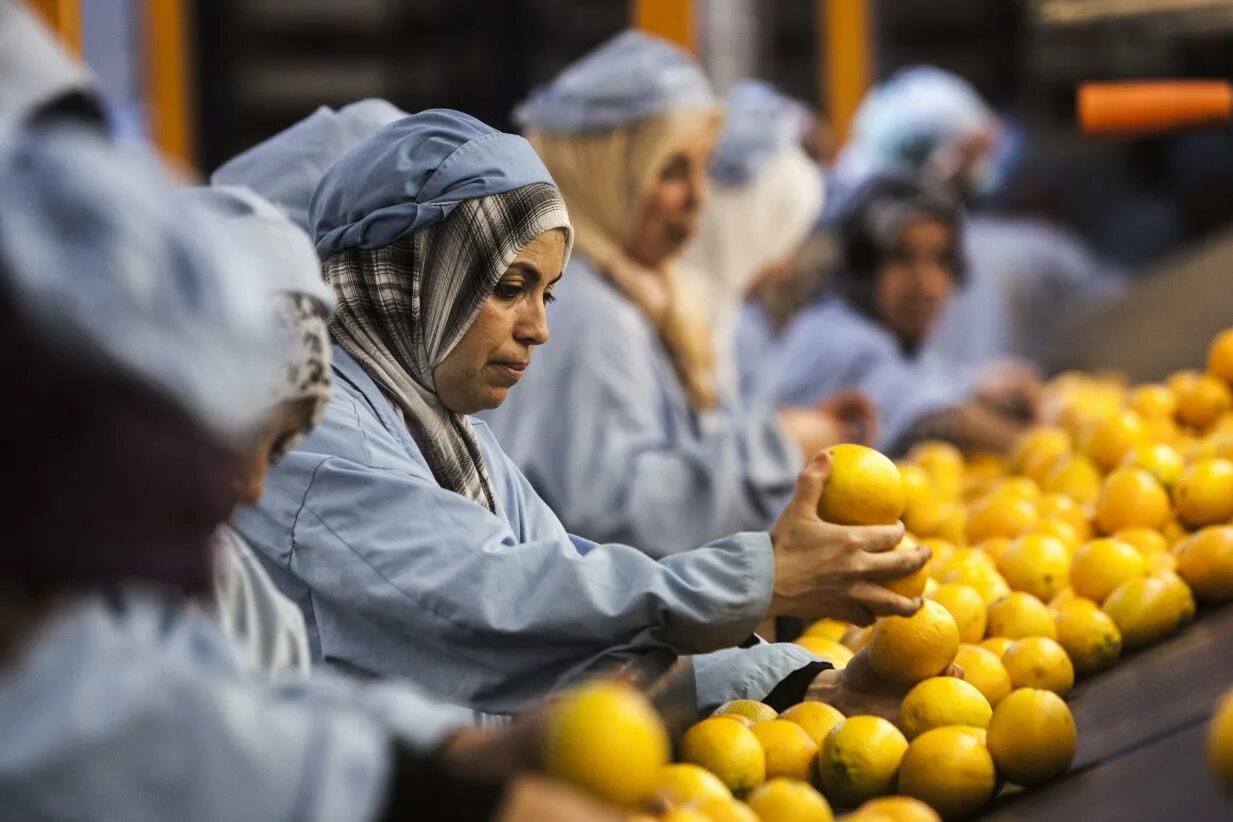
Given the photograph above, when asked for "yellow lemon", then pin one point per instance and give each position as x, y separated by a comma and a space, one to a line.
1019, 615
970, 557
1220, 356
1032, 736
1205, 562
1037, 449
913, 585
833, 652
1039, 662
1174, 532
727, 749
1220, 742
939, 701
685, 784
1204, 493
860, 758
864, 488
1201, 401
1061, 508
1001, 515
1107, 440
1024, 487
966, 606
683, 815
828, 629
727, 810
1074, 476
1089, 636
922, 509
1144, 610
984, 579
790, 751
1103, 564
997, 546
944, 464
1062, 598
606, 738
1060, 530
894, 809
751, 709
997, 645
1153, 401
789, 800
817, 718
952, 524
1131, 498
1161, 562
1179, 594
942, 550
909, 649
1036, 564
1162, 429
1157, 458
985, 671
1144, 540
950, 769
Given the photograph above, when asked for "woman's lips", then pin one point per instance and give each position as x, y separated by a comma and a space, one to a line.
511, 370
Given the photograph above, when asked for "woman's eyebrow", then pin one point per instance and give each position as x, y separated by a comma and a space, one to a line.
528, 269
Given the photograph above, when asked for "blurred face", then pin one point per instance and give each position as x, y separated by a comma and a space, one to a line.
671, 207
286, 424
496, 349
916, 280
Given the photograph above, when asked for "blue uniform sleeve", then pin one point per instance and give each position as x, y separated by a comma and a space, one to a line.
746, 673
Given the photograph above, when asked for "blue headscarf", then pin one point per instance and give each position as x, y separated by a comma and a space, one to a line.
287, 167
412, 174
631, 77
759, 123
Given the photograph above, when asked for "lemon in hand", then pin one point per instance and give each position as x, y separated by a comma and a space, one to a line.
864, 488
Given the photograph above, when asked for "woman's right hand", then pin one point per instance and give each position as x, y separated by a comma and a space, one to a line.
828, 570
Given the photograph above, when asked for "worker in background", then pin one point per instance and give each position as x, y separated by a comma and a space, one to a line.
901, 260
622, 426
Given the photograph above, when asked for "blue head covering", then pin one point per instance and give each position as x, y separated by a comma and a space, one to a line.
36, 74
759, 123
287, 167
629, 78
412, 174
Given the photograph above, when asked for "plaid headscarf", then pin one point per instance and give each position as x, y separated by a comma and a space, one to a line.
403, 307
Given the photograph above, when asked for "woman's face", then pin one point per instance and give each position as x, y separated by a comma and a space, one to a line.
917, 279
496, 349
670, 209
283, 427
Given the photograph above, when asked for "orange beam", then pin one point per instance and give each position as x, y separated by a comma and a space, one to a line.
169, 78
672, 20
64, 18
846, 65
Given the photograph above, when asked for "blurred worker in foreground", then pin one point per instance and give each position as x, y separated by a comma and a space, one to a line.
622, 426
767, 194
901, 260
1028, 280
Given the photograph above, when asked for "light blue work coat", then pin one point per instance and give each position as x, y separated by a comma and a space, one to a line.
399, 577
601, 426
138, 708
831, 345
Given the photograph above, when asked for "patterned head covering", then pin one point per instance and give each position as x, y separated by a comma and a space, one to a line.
287, 167
416, 227
37, 77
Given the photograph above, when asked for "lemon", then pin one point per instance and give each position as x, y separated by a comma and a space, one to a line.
997, 645
1180, 597
1074, 476
828, 629
939, 701
1039, 662
727, 810
950, 769
984, 670
686, 784
1144, 540
1001, 515
1062, 598
1060, 530
860, 758
1205, 562
1220, 356
1061, 508
1019, 615
944, 464
983, 579
1201, 401
952, 524
737, 718
1203, 494
1088, 635
994, 548
1103, 564
1037, 449
1220, 742
683, 815
1174, 532
1157, 458
1107, 440
864, 488
922, 504
817, 718
1024, 487
1032, 736
606, 738
752, 709
970, 558
1144, 611
912, 585
966, 606
789, 800
789, 749
1131, 498
942, 550
833, 652
727, 749
894, 809
1161, 562
1036, 564
909, 649
1153, 401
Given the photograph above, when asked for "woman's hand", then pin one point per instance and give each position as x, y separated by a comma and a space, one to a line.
828, 570
855, 413
1012, 387
858, 690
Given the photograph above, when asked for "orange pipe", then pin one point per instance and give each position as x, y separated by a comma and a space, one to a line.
169, 79
64, 18
845, 42
672, 20
1145, 107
